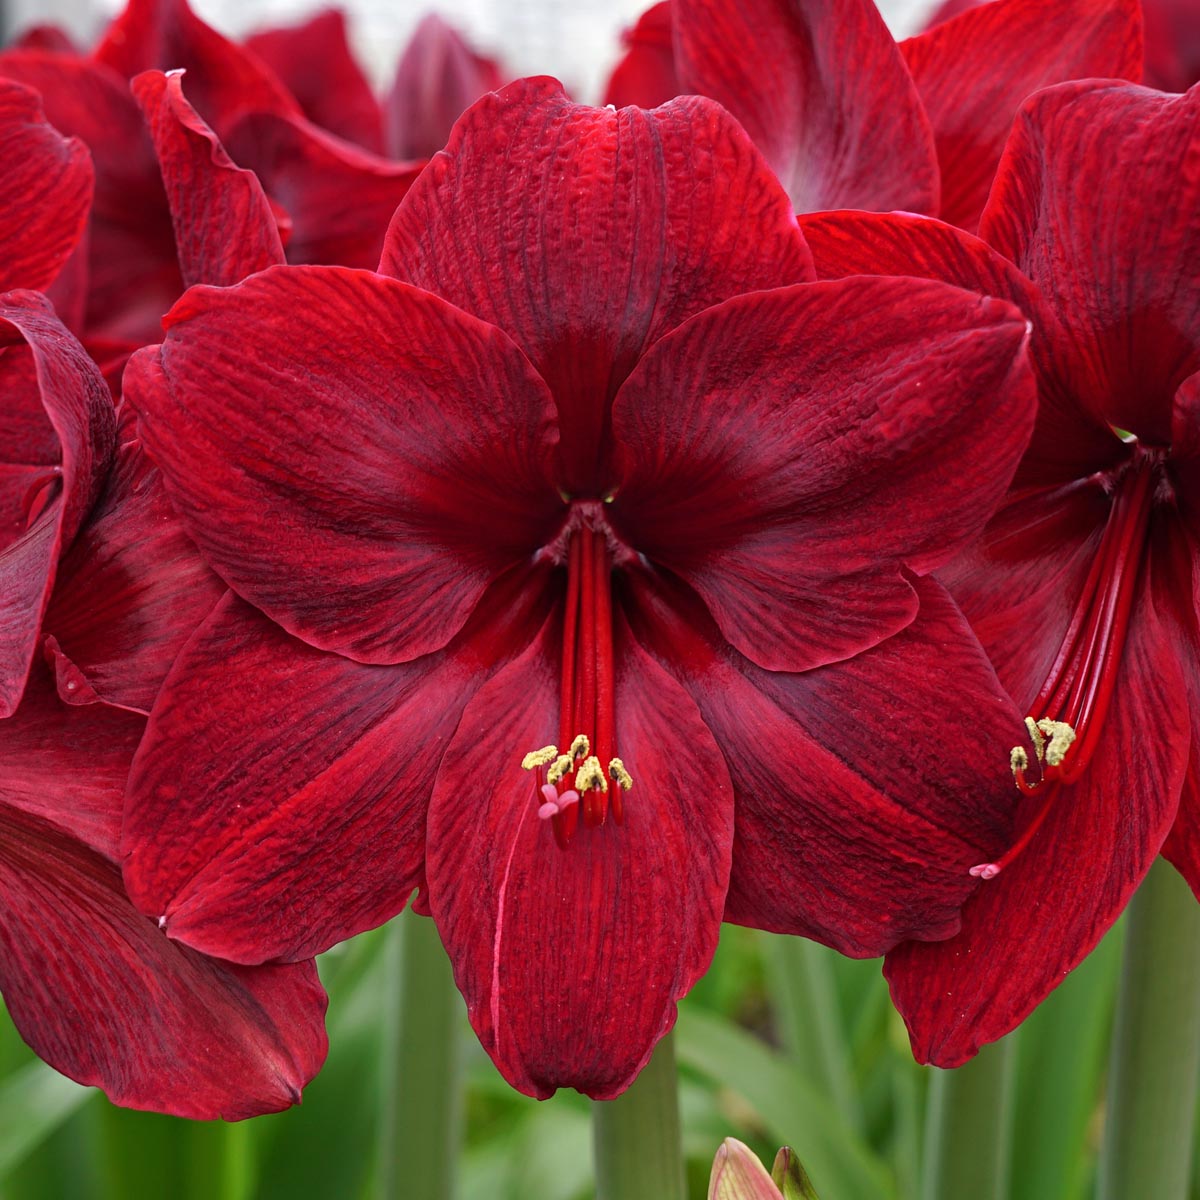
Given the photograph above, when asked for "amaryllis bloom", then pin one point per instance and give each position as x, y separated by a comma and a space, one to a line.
1082, 587
94, 986
572, 554
848, 118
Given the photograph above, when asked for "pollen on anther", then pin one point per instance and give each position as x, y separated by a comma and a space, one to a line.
1060, 735
561, 765
590, 775
580, 747
1035, 736
619, 775
1018, 760
539, 758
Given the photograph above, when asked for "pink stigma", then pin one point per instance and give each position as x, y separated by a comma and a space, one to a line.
985, 871
554, 803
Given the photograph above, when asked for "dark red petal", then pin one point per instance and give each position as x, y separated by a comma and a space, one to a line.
44, 37
1172, 45
822, 90
1026, 929
586, 234
76, 401
302, 767
311, 174
973, 72
66, 765
105, 998
789, 453
857, 820
314, 61
1096, 201
132, 275
354, 457
224, 80
224, 228
646, 75
1068, 441
45, 191
131, 590
571, 961
437, 78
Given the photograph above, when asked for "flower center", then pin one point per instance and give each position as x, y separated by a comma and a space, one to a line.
574, 781
1066, 718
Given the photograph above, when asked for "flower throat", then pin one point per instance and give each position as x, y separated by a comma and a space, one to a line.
1067, 716
572, 783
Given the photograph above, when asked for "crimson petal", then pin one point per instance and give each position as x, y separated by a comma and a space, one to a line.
70, 447
818, 439
1119, 275
224, 228
228, 825
822, 90
646, 75
45, 192
1026, 929
586, 234
571, 960
353, 456
974, 71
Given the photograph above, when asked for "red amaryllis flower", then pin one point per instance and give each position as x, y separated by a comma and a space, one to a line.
848, 119
592, 520
1082, 586
93, 986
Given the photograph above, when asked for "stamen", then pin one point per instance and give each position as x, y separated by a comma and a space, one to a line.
618, 774
1061, 737
539, 758
590, 775
580, 747
561, 765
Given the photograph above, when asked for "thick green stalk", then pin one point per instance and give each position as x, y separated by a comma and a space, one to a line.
422, 1121
968, 1130
1156, 1046
636, 1138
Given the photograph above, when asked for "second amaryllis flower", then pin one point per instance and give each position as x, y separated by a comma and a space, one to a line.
579, 565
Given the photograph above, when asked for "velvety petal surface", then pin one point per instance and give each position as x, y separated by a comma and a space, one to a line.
571, 960
45, 191
1068, 440
311, 174
224, 227
789, 453
252, 845
974, 71
69, 443
586, 234
130, 592
437, 78
1026, 929
1118, 272
314, 61
646, 75
355, 457
824, 93
857, 820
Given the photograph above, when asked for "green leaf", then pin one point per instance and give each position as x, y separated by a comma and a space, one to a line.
34, 1102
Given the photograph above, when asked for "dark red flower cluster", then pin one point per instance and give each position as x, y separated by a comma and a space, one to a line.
567, 535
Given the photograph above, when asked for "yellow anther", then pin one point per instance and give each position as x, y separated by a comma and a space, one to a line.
1018, 760
1061, 736
561, 765
580, 747
539, 758
1035, 736
590, 775
618, 774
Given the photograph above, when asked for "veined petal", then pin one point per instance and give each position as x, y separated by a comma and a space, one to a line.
310, 173
857, 823
1117, 270
130, 591
646, 75
229, 827
1026, 929
823, 92
224, 227
353, 456
571, 960
314, 61
788, 453
51, 368
974, 71
45, 191
586, 234
105, 998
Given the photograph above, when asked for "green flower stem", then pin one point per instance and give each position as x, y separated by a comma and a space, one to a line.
968, 1129
1156, 1045
422, 1123
639, 1154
